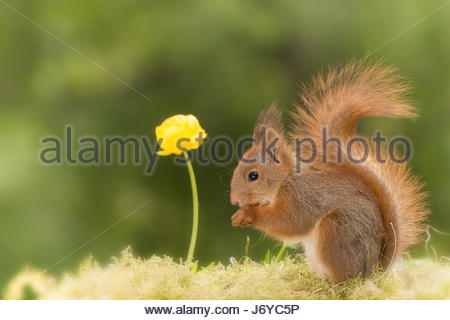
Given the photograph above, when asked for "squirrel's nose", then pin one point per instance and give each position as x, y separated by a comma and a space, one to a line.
233, 199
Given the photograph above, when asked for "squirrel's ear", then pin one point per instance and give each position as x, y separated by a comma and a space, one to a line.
274, 142
270, 118
270, 133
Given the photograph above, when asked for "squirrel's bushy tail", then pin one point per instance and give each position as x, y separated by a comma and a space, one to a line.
335, 102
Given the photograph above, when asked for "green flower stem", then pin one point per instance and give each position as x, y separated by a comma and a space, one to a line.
280, 254
190, 255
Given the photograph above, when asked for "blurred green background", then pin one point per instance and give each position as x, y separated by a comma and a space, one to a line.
222, 61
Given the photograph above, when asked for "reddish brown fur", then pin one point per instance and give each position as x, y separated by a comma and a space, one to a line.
350, 216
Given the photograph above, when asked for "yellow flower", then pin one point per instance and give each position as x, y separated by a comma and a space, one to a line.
176, 135
184, 129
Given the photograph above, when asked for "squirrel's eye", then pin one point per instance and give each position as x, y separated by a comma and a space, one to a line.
252, 176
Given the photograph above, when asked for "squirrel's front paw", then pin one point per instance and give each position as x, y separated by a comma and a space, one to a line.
241, 219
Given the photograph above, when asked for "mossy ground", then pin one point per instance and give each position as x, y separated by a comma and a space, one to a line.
128, 277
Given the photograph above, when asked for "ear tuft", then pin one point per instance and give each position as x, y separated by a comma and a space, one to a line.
270, 118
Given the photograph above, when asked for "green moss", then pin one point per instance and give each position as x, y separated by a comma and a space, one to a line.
128, 277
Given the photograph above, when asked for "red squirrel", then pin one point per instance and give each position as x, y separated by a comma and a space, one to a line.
350, 217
